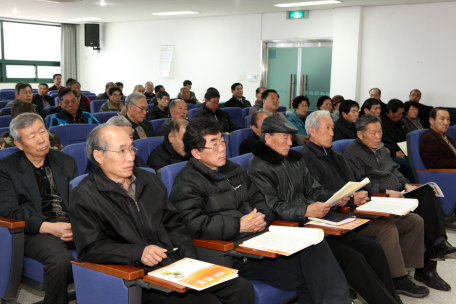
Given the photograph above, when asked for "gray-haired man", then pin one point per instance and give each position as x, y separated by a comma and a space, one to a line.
178, 110
105, 94
34, 183
186, 96
136, 105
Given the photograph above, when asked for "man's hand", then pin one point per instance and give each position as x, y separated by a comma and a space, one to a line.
400, 154
409, 187
61, 230
361, 198
344, 201
152, 255
255, 224
395, 194
317, 209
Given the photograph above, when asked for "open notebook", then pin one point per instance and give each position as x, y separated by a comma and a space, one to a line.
285, 240
348, 189
398, 206
195, 274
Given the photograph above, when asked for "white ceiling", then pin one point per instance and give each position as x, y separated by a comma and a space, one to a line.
134, 10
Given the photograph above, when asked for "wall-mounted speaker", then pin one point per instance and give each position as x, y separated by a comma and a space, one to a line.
92, 35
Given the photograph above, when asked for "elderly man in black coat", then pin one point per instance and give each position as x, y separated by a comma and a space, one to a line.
34, 186
368, 157
217, 200
122, 215
402, 238
294, 195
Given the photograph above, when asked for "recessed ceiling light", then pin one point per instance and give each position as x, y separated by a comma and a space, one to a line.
175, 13
308, 3
102, 3
85, 19
15, 11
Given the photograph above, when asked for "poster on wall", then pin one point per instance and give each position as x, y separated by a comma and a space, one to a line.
166, 60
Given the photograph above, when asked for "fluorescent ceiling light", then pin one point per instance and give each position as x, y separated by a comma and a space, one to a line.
15, 11
175, 13
85, 19
308, 3
102, 3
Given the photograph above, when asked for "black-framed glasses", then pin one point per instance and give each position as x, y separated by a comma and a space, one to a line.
141, 108
123, 152
216, 147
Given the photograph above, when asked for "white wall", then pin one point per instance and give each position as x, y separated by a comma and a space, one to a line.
410, 46
208, 51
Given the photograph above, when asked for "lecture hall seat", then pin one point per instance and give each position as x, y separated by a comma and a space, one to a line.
72, 134
103, 117
147, 145
339, 145
6, 111
95, 105
156, 123
235, 116
236, 138
78, 151
5, 121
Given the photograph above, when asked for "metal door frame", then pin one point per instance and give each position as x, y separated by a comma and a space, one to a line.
264, 55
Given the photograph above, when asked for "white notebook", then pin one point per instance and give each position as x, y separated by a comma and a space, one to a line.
398, 206
348, 189
285, 240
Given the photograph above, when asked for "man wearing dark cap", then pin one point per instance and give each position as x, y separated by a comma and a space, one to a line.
296, 195
217, 200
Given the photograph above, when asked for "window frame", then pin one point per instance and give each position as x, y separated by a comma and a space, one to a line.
4, 62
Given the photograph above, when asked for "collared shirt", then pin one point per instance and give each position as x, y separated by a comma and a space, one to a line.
45, 103
445, 138
78, 119
131, 188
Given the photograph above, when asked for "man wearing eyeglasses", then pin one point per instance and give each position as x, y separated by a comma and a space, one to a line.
217, 200
136, 105
121, 215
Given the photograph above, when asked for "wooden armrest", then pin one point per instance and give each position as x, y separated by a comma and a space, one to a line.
329, 230
165, 284
373, 213
380, 194
214, 244
417, 185
11, 223
438, 170
285, 223
256, 252
345, 209
121, 271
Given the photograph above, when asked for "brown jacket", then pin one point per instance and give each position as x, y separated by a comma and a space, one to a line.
435, 152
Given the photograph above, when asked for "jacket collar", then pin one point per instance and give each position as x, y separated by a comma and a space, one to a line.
169, 149
366, 148
346, 122
318, 150
269, 155
229, 169
439, 137
104, 184
258, 103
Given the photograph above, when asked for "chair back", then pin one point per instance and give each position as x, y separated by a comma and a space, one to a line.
245, 112
297, 149
169, 173
47, 121
339, 145
6, 111
236, 138
53, 94
190, 106
7, 151
91, 96
156, 123
190, 113
7, 94
72, 134
95, 105
103, 117
282, 109
199, 105
247, 121
5, 121
451, 132
242, 160
74, 183
148, 169
78, 151
228, 153
150, 106
48, 109
3, 103
147, 145
413, 151
4, 129
57, 100
236, 116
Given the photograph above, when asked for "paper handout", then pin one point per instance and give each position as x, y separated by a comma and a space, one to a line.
398, 206
348, 189
434, 187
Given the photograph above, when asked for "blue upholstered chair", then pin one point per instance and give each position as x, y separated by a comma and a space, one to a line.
47, 121
4, 129
297, 149
72, 134
78, 151
5, 120
6, 111
282, 109
339, 145
190, 106
242, 160
7, 151
156, 123
235, 116
7, 94
95, 105
451, 132
199, 105
147, 145
150, 106
247, 121
3, 103
245, 112
48, 109
236, 138
103, 117
443, 177
190, 113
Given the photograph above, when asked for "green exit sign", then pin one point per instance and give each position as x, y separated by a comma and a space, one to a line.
298, 15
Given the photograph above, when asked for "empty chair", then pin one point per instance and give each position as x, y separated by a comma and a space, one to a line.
7, 94
95, 105
190, 113
147, 145
339, 145
169, 173
242, 160
103, 117
72, 134
78, 151
6, 111
156, 123
236, 116
282, 109
236, 138
190, 106
3, 103
3, 130
5, 121
7, 151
